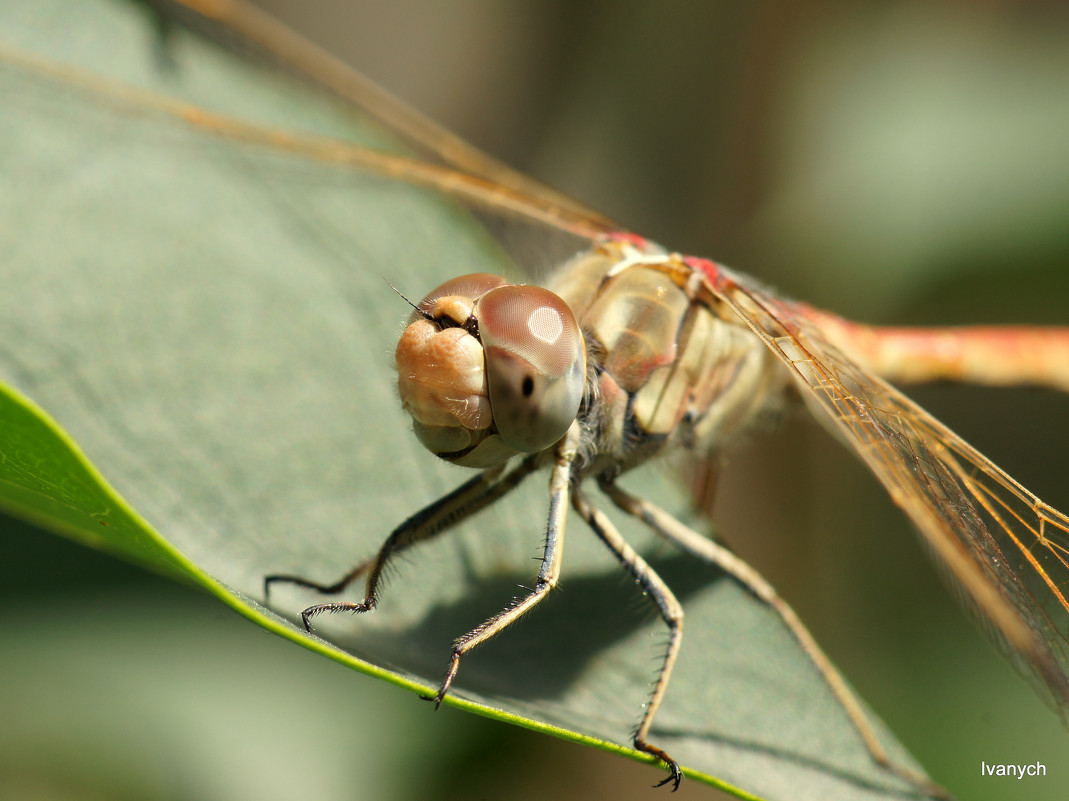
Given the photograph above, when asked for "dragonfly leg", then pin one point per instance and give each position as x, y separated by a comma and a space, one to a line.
671, 612
443, 514
718, 555
323, 589
559, 487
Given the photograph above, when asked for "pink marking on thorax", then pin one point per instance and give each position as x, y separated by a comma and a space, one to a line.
627, 237
710, 269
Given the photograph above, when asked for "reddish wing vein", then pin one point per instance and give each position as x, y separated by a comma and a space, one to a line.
1007, 550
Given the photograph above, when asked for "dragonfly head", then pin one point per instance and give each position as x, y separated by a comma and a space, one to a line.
489, 370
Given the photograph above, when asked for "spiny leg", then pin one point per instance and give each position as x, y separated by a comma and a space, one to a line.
548, 573
430, 521
670, 610
472, 489
716, 554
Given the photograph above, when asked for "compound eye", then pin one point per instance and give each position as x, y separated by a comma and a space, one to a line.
535, 364
450, 299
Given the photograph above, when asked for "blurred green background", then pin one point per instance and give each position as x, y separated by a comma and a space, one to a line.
894, 162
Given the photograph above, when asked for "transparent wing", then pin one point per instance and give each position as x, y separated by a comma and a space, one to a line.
369, 131
1006, 550
248, 29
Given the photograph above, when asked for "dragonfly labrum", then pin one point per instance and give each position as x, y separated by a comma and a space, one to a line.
628, 352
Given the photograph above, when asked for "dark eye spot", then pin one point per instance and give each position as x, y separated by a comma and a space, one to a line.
528, 386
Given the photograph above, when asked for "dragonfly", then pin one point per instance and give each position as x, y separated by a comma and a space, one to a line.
666, 351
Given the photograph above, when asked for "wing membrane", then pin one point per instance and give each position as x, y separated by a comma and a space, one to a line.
474, 191
246, 27
1006, 550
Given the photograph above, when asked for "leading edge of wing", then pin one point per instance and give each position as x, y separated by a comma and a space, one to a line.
264, 33
472, 190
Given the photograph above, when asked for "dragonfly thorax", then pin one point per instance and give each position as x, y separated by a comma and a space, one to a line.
670, 367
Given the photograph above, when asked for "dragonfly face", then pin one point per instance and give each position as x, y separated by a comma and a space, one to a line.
489, 370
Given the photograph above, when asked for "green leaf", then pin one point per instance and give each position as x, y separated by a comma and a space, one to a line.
196, 338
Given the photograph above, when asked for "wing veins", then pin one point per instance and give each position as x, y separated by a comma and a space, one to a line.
920, 462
